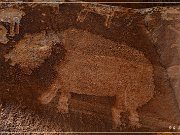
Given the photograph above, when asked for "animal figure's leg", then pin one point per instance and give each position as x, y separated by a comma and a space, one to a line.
17, 21
3, 33
134, 118
117, 109
47, 96
108, 20
12, 26
63, 105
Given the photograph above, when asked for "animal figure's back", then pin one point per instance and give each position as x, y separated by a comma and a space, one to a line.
105, 76
97, 66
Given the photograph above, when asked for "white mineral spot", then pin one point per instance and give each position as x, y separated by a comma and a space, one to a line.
43, 14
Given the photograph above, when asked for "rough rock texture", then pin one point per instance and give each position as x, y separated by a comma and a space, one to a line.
96, 66
131, 27
30, 52
166, 36
3, 33
12, 16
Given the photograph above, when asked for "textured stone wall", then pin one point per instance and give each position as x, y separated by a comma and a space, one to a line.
166, 36
146, 30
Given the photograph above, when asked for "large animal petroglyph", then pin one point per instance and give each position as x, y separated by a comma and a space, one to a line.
93, 66
92, 70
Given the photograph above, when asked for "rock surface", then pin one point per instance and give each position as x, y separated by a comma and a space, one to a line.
30, 52
3, 34
166, 36
137, 28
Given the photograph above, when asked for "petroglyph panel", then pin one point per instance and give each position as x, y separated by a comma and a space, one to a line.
103, 66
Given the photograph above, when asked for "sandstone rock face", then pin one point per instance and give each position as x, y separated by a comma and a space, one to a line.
174, 63
173, 66
166, 36
106, 69
174, 74
170, 52
107, 11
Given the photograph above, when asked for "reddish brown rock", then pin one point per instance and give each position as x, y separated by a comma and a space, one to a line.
135, 31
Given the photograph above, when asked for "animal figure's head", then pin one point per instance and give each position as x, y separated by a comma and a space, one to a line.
31, 51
